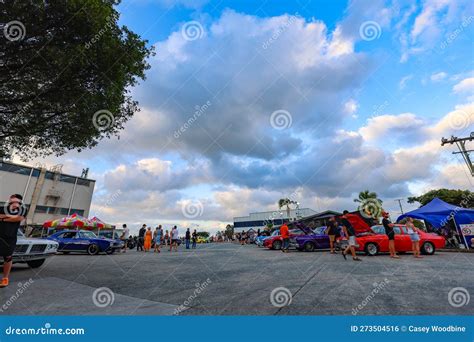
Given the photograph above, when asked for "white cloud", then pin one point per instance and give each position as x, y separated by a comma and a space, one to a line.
465, 86
382, 125
436, 77
403, 82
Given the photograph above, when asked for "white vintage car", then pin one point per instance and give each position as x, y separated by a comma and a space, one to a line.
33, 251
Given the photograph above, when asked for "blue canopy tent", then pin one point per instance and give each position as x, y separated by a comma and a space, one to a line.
438, 213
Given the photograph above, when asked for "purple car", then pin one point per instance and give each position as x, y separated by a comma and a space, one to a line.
317, 240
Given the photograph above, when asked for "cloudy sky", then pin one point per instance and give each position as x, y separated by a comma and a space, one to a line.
250, 101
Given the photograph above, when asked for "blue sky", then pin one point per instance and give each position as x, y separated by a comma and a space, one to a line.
364, 91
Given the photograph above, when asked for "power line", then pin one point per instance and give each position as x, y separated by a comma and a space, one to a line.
461, 144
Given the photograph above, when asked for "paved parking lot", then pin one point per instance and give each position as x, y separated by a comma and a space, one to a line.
229, 279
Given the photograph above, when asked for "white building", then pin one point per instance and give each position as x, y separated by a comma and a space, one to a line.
259, 220
48, 194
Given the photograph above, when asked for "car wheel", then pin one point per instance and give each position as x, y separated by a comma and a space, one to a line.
371, 249
309, 247
36, 263
428, 248
276, 244
93, 249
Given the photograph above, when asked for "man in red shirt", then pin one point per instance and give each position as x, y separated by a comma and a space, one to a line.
285, 234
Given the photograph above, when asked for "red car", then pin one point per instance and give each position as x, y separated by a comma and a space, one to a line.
276, 241
376, 241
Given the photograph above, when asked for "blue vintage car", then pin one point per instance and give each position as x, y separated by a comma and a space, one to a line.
84, 241
316, 240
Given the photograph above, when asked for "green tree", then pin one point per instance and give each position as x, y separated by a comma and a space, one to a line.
461, 198
369, 204
229, 231
67, 70
285, 202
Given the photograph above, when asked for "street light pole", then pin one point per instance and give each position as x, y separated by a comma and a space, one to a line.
399, 200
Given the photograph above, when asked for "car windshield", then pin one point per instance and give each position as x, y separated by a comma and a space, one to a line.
319, 230
89, 235
378, 229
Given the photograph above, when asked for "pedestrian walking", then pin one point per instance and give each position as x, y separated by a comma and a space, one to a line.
285, 234
415, 238
124, 237
187, 238
388, 225
141, 237
148, 238
350, 233
194, 238
158, 238
331, 231
174, 239
11, 216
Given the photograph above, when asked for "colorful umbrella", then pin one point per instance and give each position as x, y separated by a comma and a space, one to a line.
72, 221
98, 223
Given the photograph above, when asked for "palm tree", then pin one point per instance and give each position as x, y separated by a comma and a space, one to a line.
285, 202
369, 203
365, 195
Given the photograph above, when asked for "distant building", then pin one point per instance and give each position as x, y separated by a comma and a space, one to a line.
48, 194
259, 220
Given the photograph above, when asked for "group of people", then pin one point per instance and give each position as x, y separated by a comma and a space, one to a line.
332, 231
148, 239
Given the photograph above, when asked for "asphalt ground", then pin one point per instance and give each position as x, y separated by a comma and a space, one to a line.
229, 279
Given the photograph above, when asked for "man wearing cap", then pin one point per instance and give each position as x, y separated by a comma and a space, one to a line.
388, 225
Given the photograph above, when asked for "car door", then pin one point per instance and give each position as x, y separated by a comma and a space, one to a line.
82, 241
67, 241
402, 239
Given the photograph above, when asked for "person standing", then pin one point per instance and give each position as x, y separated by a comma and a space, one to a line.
194, 238
331, 231
158, 238
148, 238
11, 216
350, 233
167, 238
141, 237
388, 225
174, 239
415, 238
124, 237
285, 234
188, 238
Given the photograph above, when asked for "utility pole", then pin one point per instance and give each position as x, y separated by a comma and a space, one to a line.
461, 144
399, 200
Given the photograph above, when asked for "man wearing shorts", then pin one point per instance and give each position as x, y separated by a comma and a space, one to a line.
350, 233
331, 231
11, 215
174, 239
388, 225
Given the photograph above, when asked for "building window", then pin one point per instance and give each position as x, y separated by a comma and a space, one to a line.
85, 182
15, 169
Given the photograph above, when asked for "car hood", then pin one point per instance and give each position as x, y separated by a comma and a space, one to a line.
359, 225
31, 241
